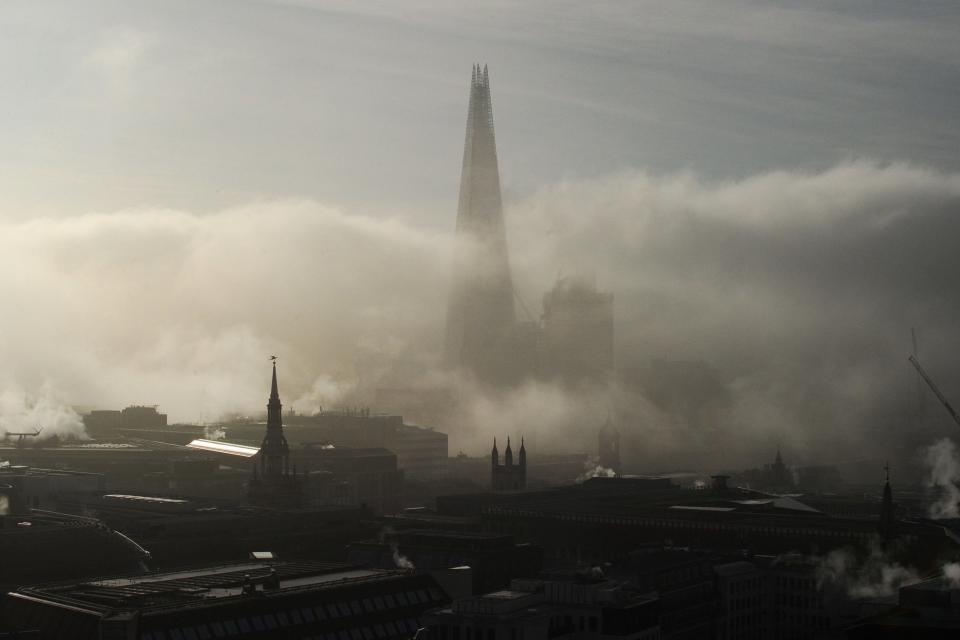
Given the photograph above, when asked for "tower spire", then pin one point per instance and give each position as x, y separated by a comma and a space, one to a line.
273, 483
274, 392
888, 520
480, 312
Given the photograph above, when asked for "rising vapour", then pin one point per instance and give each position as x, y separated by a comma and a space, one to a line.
43, 412
943, 475
871, 575
768, 310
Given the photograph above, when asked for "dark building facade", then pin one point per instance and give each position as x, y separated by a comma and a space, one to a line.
604, 519
495, 559
420, 452
508, 476
258, 599
576, 332
182, 531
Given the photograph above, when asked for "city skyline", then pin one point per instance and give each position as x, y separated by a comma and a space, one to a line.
759, 288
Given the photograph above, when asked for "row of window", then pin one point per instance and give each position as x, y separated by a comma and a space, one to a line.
301, 616
256, 624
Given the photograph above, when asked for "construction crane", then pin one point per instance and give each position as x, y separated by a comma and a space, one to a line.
933, 387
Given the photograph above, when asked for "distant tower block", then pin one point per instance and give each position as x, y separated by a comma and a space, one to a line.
481, 320
576, 340
610, 447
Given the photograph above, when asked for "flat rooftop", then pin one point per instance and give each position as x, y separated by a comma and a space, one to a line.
204, 585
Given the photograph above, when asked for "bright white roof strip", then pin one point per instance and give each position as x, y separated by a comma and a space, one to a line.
217, 446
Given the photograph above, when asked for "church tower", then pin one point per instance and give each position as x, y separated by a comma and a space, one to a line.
273, 483
480, 315
888, 519
508, 476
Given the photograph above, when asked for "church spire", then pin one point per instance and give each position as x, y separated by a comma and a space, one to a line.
888, 519
274, 392
274, 451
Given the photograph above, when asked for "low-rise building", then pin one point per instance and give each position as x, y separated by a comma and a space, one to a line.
586, 606
257, 599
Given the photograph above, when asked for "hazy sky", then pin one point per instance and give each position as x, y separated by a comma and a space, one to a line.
769, 188
205, 104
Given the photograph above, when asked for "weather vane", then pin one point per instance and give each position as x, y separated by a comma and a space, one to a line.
273, 358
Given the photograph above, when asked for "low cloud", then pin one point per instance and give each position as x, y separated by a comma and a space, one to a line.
775, 309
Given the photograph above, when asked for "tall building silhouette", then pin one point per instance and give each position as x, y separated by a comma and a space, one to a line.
481, 321
274, 483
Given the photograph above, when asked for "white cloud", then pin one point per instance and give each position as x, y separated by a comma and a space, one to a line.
799, 289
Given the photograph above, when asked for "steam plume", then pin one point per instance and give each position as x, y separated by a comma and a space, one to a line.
944, 473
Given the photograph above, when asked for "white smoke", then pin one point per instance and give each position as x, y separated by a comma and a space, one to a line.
951, 571
593, 469
400, 561
212, 432
874, 575
943, 475
747, 279
22, 412
4, 505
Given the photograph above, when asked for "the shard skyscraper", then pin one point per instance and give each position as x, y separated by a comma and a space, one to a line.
481, 322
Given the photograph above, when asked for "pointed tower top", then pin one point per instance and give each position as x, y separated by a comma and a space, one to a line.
494, 443
508, 443
522, 447
886, 470
779, 458
274, 392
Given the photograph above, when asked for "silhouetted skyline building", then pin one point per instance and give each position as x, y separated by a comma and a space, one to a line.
888, 518
508, 476
576, 332
480, 316
780, 476
275, 484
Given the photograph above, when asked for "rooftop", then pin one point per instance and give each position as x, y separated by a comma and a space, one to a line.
204, 586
